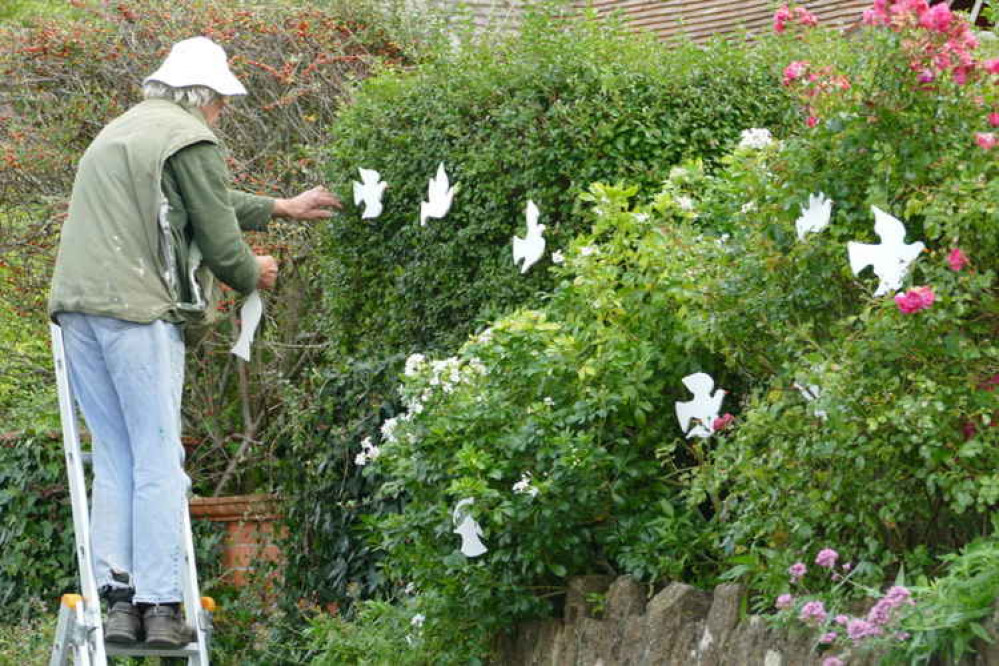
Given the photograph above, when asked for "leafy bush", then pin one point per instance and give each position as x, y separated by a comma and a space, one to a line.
35, 524
535, 116
902, 466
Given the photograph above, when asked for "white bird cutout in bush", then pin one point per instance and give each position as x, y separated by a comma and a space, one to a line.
530, 248
891, 258
815, 218
468, 529
249, 319
439, 195
697, 416
369, 192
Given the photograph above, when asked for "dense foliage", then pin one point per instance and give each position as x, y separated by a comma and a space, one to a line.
535, 116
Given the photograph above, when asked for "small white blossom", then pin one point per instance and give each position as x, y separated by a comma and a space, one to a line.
685, 203
414, 363
410, 588
748, 207
524, 487
548, 401
642, 217
368, 452
756, 138
418, 620
557, 257
485, 336
360, 460
388, 428
587, 250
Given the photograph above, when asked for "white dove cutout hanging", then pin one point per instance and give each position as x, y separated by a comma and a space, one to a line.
697, 416
369, 192
439, 195
468, 529
815, 218
891, 259
811, 393
530, 248
249, 317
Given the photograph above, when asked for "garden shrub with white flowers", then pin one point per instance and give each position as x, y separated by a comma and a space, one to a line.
862, 424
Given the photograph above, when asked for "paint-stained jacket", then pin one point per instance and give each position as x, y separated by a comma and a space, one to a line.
151, 196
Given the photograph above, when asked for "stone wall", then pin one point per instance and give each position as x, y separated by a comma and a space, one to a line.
678, 626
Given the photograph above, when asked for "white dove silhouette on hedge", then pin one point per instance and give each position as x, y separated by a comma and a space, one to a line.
815, 218
697, 416
530, 248
249, 318
369, 192
439, 196
891, 258
468, 529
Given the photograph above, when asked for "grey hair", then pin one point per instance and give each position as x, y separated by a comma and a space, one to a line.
188, 96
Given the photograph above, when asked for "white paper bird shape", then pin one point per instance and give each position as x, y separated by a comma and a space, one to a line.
439, 195
249, 317
530, 248
811, 393
815, 218
697, 416
468, 529
369, 192
891, 259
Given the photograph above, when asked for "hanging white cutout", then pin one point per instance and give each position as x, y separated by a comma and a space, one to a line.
815, 218
891, 259
811, 393
439, 195
697, 416
249, 318
369, 192
530, 248
468, 529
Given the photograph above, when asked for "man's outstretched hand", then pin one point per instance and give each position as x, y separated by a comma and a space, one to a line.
312, 204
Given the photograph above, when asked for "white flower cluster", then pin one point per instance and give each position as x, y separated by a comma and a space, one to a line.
558, 257
685, 203
755, 138
368, 452
418, 620
587, 250
524, 487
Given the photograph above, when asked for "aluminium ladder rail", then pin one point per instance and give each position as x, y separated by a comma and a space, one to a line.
80, 630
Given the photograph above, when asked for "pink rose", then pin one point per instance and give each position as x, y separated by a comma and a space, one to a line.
916, 299
956, 259
985, 140
937, 18
795, 71
781, 17
722, 422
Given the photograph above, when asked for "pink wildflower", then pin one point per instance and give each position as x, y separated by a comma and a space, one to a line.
956, 259
796, 571
994, 119
806, 17
842, 619
722, 422
927, 76
992, 66
827, 558
784, 602
781, 17
902, 636
847, 566
812, 121
813, 613
828, 637
916, 299
858, 630
833, 661
985, 140
898, 595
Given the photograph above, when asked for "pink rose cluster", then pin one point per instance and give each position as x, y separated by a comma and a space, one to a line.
940, 41
799, 15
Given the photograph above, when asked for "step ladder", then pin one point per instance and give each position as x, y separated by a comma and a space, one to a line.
79, 637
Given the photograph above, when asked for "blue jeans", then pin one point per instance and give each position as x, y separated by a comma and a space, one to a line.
128, 379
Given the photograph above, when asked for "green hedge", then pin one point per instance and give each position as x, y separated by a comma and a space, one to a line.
539, 116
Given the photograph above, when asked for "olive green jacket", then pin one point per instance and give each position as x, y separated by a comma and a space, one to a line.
150, 215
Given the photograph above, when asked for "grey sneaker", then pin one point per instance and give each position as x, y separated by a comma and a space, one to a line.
165, 627
124, 623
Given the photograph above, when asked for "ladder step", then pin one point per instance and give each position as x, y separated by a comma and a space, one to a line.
140, 650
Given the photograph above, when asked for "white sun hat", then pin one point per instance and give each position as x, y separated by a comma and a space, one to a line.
198, 61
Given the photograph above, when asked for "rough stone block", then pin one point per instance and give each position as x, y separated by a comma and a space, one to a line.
625, 598
576, 605
673, 624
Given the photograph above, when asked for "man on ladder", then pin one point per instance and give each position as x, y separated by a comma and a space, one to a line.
150, 201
